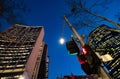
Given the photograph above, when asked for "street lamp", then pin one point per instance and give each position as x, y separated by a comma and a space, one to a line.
62, 40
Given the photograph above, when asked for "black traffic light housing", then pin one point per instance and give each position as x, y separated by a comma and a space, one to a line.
92, 59
91, 53
72, 47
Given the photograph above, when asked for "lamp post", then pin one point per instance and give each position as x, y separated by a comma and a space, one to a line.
103, 74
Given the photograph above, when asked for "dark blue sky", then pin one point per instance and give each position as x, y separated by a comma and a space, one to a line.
49, 13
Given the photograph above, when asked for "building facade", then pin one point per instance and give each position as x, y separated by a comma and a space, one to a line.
23, 53
107, 41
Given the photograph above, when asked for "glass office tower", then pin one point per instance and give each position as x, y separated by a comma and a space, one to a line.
107, 40
22, 51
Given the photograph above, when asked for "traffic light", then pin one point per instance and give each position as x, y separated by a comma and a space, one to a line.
84, 50
72, 47
88, 52
92, 58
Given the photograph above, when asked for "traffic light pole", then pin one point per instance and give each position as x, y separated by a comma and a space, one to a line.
103, 74
75, 32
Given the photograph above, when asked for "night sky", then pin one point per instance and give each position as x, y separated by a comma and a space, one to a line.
49, 13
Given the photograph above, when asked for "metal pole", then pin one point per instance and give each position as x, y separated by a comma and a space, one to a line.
75, 32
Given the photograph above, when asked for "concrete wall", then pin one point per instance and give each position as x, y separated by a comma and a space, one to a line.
33, 56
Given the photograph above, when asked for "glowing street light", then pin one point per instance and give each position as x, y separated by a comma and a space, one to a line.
62, 40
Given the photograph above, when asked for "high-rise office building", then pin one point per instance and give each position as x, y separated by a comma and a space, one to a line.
23, 53
107, 41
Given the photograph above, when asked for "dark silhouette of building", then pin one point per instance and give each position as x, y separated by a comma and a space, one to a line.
23, 53
79, 77
106, 40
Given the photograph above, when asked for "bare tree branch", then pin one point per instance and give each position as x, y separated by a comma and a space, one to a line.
85, 15
12, 10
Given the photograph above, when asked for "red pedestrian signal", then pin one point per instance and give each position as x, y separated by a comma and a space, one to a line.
84, 50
